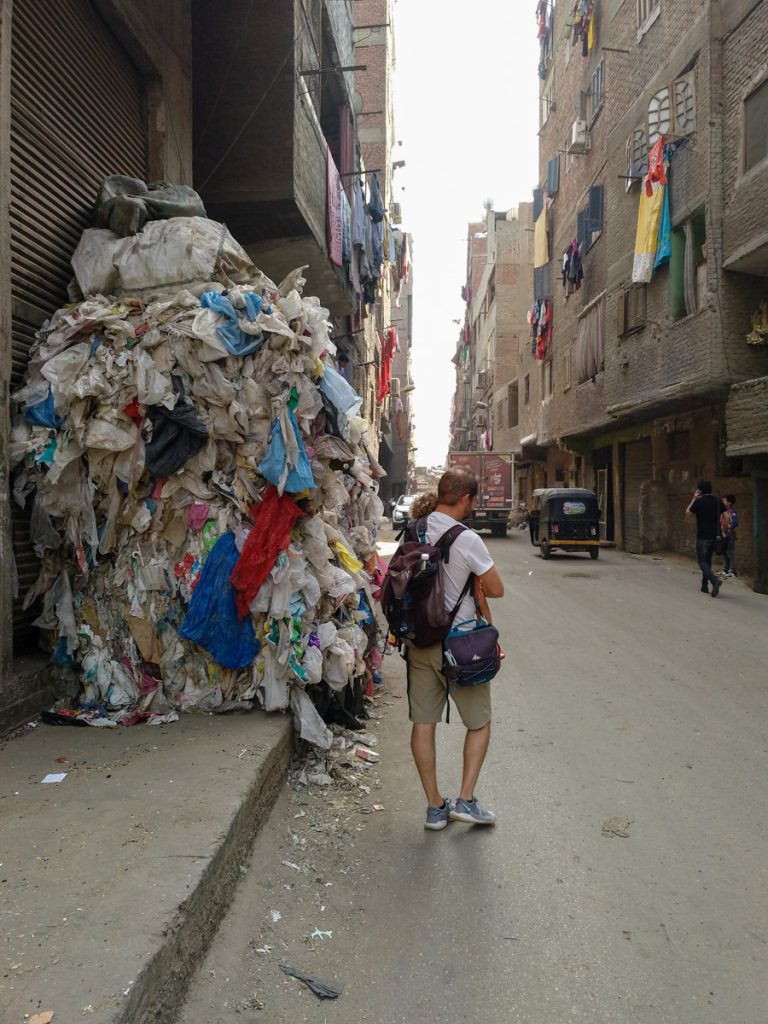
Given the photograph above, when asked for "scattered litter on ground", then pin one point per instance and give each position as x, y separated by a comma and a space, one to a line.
53, 777
616, 827
366, 755
317, 934
42, 1018
276, 916
322, 989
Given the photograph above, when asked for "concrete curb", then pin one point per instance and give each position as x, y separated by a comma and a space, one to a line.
159, 991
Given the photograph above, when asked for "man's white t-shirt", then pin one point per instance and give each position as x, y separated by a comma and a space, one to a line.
468, 554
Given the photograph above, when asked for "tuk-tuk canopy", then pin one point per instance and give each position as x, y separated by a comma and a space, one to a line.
566, 500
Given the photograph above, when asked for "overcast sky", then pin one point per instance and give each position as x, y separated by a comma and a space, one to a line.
466, 96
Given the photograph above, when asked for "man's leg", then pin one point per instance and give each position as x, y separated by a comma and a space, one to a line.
423, 750
475, 749
704, 551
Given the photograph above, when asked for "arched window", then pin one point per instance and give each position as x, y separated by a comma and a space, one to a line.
659, 116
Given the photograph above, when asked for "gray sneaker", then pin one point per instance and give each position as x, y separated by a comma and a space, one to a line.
437, 817
471, 812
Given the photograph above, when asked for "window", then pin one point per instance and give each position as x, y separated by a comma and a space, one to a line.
756, 126
568, 155
645, 10
548, 99
567, 371
589, 343
589, 221
546, 379
597, 90
684, 94
553, 176
687, 265
527, 388
637, 157
499, 417
659, 116
631, 310
512, 412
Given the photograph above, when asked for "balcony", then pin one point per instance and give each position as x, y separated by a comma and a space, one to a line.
262, 134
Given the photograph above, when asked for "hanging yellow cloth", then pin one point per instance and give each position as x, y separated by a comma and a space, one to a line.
591, 32
540, 242
647, 237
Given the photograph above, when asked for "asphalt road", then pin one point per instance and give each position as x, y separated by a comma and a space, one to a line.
628, 698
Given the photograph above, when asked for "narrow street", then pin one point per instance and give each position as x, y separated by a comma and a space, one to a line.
626, 878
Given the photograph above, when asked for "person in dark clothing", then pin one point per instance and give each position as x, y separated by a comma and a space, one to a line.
706, 508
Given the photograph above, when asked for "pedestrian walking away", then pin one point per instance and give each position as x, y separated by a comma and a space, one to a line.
428, 690
705, 507
729, 520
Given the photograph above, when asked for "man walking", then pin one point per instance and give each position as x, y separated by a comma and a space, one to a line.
706, 508
427, 687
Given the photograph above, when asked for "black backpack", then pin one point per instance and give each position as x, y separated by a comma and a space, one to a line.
413, 591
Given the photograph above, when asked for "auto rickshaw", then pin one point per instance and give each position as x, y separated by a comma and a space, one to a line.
565, 519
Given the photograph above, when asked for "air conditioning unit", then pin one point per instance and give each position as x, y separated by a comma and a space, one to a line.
395, 213
394, 387
579, 141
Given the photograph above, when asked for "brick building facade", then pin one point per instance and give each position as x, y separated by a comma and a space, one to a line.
494, 334
634, 402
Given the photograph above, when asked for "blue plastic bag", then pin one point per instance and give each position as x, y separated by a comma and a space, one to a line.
43, 414
340, 392
273, 465
236, 341
211, 620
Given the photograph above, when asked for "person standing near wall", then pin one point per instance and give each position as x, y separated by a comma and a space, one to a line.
729, 520
705, 507
428, 691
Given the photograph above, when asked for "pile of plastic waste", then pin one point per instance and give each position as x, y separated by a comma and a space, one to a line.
202, 498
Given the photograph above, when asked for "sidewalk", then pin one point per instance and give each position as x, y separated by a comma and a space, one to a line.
113, 881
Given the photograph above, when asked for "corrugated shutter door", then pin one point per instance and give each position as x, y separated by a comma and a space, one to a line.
77, 115
638, 466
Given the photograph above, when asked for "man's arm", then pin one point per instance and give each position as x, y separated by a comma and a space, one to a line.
694, 499
491, 583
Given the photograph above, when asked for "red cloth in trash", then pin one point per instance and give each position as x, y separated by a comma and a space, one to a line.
656, 170
273, 521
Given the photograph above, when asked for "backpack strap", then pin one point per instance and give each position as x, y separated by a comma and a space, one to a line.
447, 539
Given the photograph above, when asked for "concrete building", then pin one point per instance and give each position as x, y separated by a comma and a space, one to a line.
256, 106
637, 373
396, 452
495, 333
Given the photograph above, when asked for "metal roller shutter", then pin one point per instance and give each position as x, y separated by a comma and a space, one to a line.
77, 115
638, 466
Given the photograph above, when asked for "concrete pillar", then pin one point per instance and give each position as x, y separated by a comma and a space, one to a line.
6, 549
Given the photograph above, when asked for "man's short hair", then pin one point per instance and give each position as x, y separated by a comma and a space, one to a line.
705, 486
454, 484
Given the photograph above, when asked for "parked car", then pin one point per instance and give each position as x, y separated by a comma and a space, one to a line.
401, 511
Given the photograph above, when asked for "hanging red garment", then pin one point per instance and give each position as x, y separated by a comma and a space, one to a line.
656, 170
273, 520
388, 349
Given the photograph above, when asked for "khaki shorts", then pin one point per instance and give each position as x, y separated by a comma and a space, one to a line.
428, 691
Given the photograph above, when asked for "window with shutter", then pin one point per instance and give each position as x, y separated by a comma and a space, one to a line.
645, 10
597, 90
553, 176
581, 227
659, 116
756, 126
631, 310
637, 157
594, 212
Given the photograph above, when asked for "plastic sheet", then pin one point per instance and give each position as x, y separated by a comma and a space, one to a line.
212, 620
